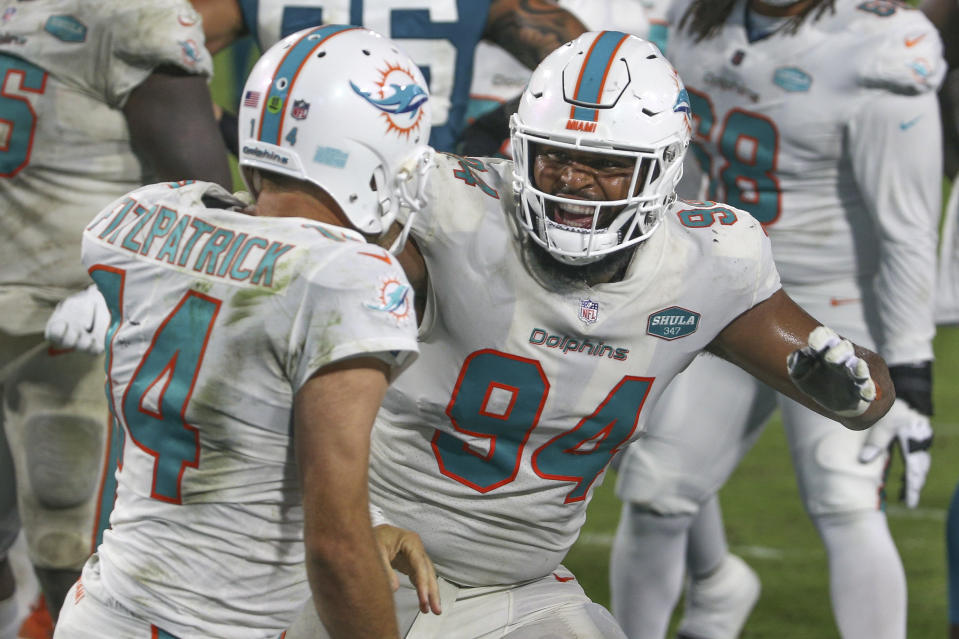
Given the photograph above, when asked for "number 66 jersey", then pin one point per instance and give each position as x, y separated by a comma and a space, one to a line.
217, 320
527, 384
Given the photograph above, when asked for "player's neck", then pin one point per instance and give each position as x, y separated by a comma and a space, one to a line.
286, 203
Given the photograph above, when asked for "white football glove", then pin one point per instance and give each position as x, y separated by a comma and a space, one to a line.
910, 430
80, 321
829, 371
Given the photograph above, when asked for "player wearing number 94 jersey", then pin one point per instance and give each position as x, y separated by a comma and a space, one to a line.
563, 293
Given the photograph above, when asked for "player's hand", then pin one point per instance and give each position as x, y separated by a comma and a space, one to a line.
910, 431
828, 370
403, 550
80, 321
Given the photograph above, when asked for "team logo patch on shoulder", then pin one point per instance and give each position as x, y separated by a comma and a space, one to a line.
395, 299
792, 79
672, 323
588, 311
66, 28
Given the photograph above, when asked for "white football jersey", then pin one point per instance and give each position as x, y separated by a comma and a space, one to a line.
218, 319
491, 445
67, 68
840, 162
947, 286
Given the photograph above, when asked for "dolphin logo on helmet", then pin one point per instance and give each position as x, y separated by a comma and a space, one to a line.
406, 99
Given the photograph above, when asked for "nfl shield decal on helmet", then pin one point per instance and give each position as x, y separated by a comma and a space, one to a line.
672, 323
588, 311
301, 108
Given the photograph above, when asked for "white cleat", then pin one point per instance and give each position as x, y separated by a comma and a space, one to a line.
717, 606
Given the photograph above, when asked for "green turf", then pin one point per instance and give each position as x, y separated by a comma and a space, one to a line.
767, 526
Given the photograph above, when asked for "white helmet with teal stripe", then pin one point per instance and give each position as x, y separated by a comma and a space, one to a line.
345, 108
611, 94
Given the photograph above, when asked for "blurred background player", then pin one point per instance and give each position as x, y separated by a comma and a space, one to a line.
499, 78
820, 119
944, 14
97, 98
583, 291
441, 35
223, 478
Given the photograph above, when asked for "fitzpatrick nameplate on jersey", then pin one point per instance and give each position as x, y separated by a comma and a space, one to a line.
588, 311
672, 323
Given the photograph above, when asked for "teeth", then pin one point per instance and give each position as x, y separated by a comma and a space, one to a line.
576, 209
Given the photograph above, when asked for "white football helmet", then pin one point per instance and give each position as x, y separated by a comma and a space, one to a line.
345, 108
610, 93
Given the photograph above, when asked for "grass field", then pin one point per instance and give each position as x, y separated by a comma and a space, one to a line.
767, 526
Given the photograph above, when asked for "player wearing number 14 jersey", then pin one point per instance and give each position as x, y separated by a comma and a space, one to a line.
819, 118
563, 293
249, 348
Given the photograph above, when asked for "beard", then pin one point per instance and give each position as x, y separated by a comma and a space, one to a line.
555, 275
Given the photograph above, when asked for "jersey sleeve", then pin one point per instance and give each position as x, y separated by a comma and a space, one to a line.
904, 53
746, 253
146, 35
358, 304
896, 153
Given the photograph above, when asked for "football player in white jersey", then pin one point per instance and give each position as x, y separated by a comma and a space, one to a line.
97, 97
248, 351
819, 117
441, 35
944, 14
561, 294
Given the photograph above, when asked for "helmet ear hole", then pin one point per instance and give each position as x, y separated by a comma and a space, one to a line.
378, 183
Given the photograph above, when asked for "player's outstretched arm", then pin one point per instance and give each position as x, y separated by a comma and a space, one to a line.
832, 374
333, 415
530, 29
173, 130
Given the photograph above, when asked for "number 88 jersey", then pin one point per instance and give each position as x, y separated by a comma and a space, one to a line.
826, 136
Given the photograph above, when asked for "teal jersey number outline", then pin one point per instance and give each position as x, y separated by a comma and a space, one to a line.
167, 372
578, 455
706, 215
110, 282
468, 173
749, 181
17, 116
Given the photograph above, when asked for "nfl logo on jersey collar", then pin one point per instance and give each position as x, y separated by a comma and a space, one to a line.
588, 311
